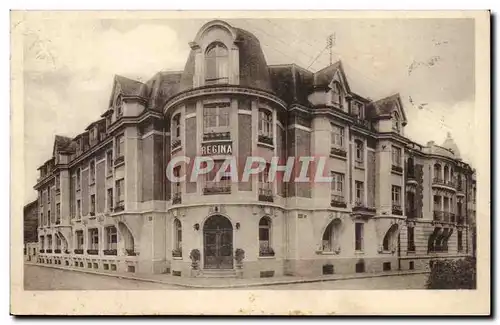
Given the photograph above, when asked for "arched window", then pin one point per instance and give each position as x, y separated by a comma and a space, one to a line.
330, 237
389, 238
216, 64
119, 106
178, 236
265, 248
336, 93
395, 121
437, 172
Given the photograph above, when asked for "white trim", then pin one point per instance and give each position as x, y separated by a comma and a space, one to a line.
300, 127
245, 112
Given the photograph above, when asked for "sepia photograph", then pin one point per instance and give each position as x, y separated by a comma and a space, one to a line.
295, 155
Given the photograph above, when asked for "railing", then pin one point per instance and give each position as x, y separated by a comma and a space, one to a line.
359, 164
79, 251
396, 209
177, 252
176, 198
440, 181
338, 201
444, 216
120, 206
360, 206
110, 252
265, 139
337, 151
216, 136
130, 252
119, 160
176, 143
57, 251
42, 251
397, 169
92, 251
217, 188
49, 251
266, 194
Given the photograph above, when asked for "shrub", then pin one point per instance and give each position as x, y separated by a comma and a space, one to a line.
453, 274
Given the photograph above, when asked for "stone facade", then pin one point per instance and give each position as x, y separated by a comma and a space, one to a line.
394, 205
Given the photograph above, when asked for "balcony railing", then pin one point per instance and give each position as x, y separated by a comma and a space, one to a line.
337, 151
177, 252
209, 136
49, 251
176, 198
42, 251
110, 252
266, 194
444, 216
266, 139
57, 251
217, 188
445, 182
92, 251
360, 206
120, 206
337, 201
130, 252
79, 251
359, 164
397, 169
396, 209
176, 143
119, 160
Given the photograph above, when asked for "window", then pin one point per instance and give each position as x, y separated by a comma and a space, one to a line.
459, 241
216, 116
437, 172
265, 237
78, 209
58, 212
41, 218
359, 151
446, 173
176, 186
357, 110
176, 126
92, 172
42, 241
337, 185
111, 237
58, 242
49, 241
92, 204
411, 239
396, 196
120, 145
78, 180
120, 192
265, 123
177, 235
110, 199
359, 193
337, 136
216, 64
213, 186
109, 162
79, 239
94, 239
119, 107
265, 187
48, 218
48, 196
330, 241
58, 183
395, 121
358, 233
336, 93
396, 156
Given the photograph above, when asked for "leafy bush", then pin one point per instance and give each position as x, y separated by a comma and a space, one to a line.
453, 274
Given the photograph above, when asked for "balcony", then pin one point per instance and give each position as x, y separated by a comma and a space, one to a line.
363, 123
444, 216
120, 206
176, 143
48, 251
337, 201
216, 189
215, 136
92, 251
444, 183
396, 210
266, 195
110, 252
359, 164
397, 169
176, 198
177, 252
460, 190
266, 139
336, 151
57, 251
79, 251
361, 208
130, 252
42, 251
119, 160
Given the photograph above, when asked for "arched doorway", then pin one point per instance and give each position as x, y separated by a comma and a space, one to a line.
218, 243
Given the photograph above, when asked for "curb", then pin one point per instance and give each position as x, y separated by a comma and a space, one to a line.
229, 286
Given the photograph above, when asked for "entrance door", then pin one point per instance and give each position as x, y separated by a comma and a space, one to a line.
218, 243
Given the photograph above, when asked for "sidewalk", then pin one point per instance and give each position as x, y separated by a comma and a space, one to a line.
226, 283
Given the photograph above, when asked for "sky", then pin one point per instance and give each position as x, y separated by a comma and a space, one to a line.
69, 67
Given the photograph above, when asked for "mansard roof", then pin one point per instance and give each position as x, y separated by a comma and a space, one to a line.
385, 106
162, 86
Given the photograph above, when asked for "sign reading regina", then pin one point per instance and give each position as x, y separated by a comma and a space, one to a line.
217, 149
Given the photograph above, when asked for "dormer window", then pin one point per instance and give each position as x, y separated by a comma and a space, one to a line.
395, 121
216, 64
336, 94
358, 110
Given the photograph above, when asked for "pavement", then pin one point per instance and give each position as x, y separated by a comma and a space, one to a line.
227, 283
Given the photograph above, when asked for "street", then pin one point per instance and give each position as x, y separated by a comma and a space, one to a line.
44, 278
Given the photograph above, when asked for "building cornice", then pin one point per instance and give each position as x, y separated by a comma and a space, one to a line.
222, 90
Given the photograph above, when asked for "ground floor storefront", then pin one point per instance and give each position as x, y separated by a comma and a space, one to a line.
251, 241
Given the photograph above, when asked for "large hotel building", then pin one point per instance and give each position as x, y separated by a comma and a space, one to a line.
106, 203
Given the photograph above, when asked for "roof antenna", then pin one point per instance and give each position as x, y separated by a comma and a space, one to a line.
330, 43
